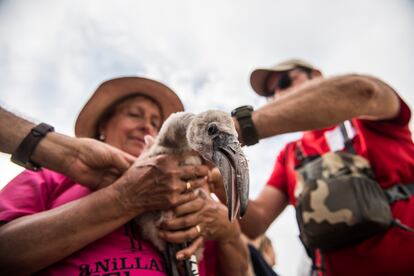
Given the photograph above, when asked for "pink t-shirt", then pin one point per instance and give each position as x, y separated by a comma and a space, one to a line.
115, 254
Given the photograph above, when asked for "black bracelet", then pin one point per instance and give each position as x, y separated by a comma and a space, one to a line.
26, 148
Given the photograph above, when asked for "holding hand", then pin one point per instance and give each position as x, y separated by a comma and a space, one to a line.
87, 161
198, 220
97, 164
158, 183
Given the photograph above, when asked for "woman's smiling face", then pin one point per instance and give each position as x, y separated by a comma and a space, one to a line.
132, 120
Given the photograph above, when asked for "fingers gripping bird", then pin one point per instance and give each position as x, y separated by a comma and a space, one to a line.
213, 136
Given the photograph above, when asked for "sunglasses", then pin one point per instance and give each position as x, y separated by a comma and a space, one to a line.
284, 82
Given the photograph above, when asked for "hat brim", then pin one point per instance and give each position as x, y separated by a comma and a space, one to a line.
113, 90
259, 77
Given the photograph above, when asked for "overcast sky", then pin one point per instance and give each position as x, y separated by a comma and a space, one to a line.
53, 54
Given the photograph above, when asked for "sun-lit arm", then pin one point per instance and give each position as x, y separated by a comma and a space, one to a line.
325, 102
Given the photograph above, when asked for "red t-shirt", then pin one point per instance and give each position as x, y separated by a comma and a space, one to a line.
389, 148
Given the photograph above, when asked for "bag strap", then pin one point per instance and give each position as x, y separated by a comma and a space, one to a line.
347, 138
316, 270
301, 156
396, 192
399, 192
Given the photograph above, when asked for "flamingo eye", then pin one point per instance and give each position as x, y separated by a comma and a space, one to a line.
212, 129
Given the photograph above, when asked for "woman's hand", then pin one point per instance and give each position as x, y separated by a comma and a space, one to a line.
158, 183
200, 219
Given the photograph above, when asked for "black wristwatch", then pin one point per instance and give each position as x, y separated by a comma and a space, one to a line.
26, 148
248, 131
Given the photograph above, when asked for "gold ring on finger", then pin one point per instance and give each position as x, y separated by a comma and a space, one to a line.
188, 185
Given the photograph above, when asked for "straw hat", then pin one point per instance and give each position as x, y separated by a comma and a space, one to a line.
113, 90
260, 75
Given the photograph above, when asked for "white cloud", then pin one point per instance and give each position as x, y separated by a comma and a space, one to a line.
53, 54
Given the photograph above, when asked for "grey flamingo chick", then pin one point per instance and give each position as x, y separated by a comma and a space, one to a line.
213, 136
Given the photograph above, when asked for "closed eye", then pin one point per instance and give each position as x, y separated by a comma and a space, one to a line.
134, 114
156, 124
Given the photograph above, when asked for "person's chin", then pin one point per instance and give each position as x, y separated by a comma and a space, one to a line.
134, 150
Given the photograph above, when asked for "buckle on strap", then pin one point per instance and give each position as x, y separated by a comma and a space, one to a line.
397, 192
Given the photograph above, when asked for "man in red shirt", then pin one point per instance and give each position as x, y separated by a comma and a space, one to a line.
303, 100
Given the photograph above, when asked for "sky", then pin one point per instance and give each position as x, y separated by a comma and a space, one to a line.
53, 54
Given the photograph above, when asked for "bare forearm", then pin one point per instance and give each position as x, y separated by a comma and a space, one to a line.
85, 160
323, 103
253, 222
263, 211
51, 152
13, 130
56, 152
233, 256
33, 242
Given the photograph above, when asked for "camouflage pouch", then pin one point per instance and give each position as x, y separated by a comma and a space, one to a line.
340, 203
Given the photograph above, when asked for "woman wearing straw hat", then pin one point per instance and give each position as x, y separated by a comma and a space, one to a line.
55, 226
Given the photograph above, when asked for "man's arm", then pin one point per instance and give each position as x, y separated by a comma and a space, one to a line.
85, 160
233, 254
262, 211
326, 102
13, 130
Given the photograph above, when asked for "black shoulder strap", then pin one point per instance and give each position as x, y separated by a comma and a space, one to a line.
399, 192
300, 156
347, 139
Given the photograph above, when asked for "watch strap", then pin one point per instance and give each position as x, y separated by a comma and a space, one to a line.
22, 155
248, 131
